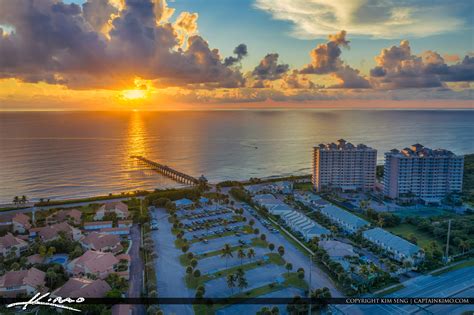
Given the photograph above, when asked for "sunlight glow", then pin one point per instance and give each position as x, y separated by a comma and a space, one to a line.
134, 94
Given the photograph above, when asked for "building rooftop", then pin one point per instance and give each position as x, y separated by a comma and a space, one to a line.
95, 261
418, 150
389, 240
183, 202
32, 277
82, 287
344, 216
9, 240
99, 241
342, 144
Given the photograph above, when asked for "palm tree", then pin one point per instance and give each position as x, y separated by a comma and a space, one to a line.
288, 267
281, 250
226, 253
241, 280
231, 282
271, 247
464, 245
16, 201
251, 254
241, 254
24, 199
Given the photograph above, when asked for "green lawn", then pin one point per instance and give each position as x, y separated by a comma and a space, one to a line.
405, 229
259, 243
304, 186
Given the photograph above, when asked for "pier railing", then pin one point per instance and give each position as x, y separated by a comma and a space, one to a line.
168, 171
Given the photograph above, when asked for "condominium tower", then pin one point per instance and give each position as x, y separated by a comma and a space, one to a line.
423, 173
344, 166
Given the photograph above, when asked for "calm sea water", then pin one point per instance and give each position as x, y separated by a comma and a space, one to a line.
76, 154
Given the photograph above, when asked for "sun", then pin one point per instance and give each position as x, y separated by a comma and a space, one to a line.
133, 94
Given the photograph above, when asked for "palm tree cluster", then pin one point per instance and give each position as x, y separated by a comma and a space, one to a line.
20, 200
269, 311
237, 279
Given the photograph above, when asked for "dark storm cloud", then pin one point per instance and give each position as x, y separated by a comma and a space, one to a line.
240, 52
64, 43
397, 67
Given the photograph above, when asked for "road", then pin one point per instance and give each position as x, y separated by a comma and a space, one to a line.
459, 283
136, 269
169, 272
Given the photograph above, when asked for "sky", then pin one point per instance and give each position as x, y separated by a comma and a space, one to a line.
154, 54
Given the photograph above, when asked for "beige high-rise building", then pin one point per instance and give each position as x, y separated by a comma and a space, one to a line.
423, 173
344, 166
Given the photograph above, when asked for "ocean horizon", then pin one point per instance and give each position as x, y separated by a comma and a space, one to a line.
75, 154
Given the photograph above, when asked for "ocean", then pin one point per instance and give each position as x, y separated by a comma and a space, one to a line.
61, 155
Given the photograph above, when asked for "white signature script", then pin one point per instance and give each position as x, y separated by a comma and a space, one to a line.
54, 302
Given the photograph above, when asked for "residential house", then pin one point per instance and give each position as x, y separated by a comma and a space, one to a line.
125, 223
95, 263
72, 216
27, 282
272, 204
90, 226
122, 231
35, 259
347, 221
11, 244
338, 250
300, 223
119, 208
82, 287
399, 248
21, 223
52, 232
102, 242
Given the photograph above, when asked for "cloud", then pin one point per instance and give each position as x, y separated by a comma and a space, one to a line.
325, 59
295, 80
240, 52
107, 44
186, 25
397, 67
268, 70
381, 19
451, 58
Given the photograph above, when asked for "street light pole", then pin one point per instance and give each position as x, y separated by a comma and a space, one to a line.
309, 292
447, 241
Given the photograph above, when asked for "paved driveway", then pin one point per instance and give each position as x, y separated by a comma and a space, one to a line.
256, 278
136, 269
169, 272
239, 309
216, 263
